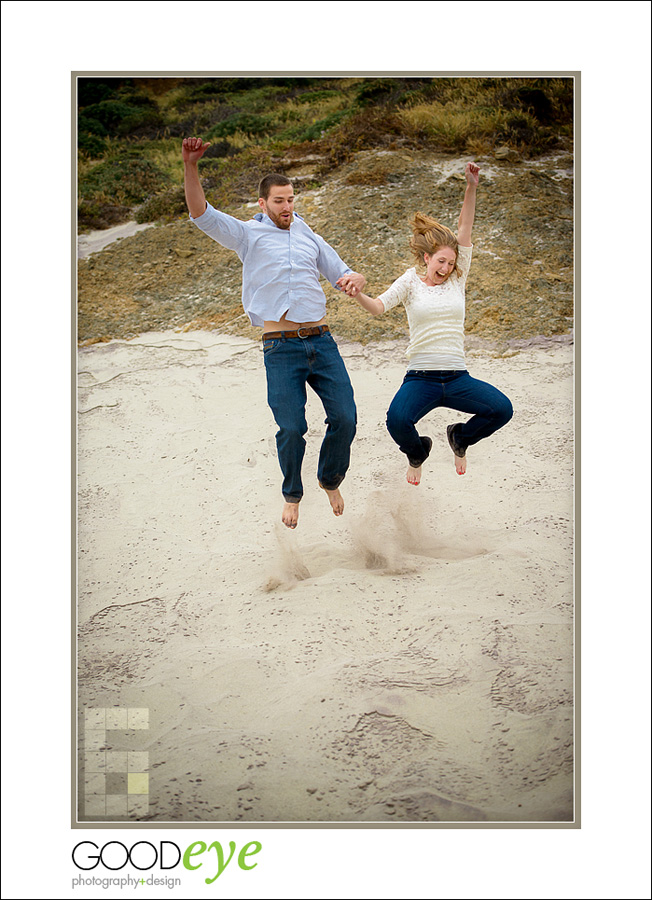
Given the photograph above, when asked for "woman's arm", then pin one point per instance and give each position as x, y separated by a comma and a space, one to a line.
371, 304
465, 224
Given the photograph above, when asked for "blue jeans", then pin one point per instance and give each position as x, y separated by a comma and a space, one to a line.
422, 392
291, 363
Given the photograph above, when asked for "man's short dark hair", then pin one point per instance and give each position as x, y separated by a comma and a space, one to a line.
270, 181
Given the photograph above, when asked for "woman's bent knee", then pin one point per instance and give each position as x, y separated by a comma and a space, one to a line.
397, 422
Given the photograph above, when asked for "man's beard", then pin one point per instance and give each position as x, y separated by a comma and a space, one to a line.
279, 222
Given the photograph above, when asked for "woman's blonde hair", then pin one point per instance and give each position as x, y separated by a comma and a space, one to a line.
428, 236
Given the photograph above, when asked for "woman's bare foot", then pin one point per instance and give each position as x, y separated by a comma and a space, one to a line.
290, 515
336, 500
414, 475
458, 452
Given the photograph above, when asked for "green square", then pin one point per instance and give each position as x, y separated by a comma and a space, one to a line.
138, 782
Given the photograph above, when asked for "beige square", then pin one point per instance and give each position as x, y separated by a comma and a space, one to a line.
95, 805
95, 761
116, 719
94, 783
116, 760
94, 739
138, 805
116, 805
138, 761
138, 783
95, 718
138, 718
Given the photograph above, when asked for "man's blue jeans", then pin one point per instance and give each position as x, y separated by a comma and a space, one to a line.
422, 392
291, 363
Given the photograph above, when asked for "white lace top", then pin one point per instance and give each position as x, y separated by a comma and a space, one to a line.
435, 316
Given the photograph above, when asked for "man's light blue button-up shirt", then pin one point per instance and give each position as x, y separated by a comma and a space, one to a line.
280, 267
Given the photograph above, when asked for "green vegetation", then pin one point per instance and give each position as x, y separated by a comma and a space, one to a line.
130, 130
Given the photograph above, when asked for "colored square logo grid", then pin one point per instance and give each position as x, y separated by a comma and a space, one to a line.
116, 782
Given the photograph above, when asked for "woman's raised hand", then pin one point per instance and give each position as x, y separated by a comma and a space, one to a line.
193, 149
472, 173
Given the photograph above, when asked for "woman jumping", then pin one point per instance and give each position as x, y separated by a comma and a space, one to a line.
437, 374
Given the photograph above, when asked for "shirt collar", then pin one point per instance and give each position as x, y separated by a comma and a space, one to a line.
265, 219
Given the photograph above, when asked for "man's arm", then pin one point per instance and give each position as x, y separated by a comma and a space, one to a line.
465, 224
192, 151
334, 269
225, 229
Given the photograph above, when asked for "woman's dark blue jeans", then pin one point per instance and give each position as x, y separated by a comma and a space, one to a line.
422, 392
291, 364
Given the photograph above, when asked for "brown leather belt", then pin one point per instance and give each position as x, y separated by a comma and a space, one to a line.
301, 333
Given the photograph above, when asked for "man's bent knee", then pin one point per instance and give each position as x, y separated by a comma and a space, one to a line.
504, 412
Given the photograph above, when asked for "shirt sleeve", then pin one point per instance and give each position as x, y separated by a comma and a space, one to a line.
396, 293
329, 263
226, 230
464, 261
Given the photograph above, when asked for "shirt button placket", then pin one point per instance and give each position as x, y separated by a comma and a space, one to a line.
290, 292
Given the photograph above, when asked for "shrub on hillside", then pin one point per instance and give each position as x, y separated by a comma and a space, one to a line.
92, 216
315, 130
219, 149
122, 180
120, 118
165, 206
91, 125
243, 122
94, 90
91, 145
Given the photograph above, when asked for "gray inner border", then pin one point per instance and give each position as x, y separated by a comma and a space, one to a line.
576, 823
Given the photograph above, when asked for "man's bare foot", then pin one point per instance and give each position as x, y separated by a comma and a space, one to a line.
414, 474
458, 452
290, 515
414, 471
336, 500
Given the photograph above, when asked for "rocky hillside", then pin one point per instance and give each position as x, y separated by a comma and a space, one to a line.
171, 276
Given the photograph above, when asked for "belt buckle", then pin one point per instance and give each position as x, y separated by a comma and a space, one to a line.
303, 336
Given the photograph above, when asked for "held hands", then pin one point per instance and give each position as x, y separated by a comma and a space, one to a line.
193, 149
472, 174
351, 284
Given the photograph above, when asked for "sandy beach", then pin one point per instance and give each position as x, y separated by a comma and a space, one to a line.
410, 661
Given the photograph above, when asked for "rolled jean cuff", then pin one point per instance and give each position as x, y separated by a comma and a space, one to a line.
331, 487
291, 499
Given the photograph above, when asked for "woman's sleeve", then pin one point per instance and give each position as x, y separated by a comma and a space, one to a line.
464, 261
396, 293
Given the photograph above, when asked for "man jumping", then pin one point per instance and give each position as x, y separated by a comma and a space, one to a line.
282, 260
